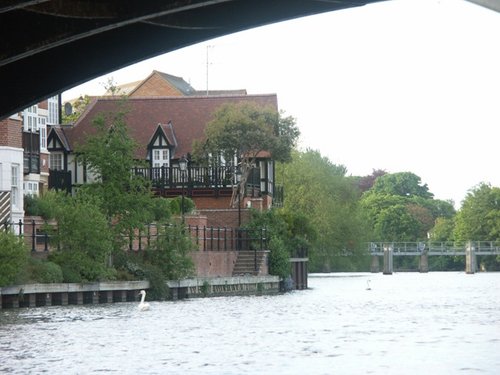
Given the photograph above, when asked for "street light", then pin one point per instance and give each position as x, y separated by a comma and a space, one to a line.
238, 180
183, 164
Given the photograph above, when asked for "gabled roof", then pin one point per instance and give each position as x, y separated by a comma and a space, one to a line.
60, 133
167, 131
177, 83
188, 116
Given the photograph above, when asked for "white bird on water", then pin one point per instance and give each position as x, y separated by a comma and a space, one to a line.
143, 306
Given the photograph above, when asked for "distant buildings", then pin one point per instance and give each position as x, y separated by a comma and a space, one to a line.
164, 115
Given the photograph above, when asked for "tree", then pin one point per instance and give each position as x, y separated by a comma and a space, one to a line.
13, 257
365, 183
77, 109
404, 184
125, 198
479, 217
83, 239
246, 131
319, 189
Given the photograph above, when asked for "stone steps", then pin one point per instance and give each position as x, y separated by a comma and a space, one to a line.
245, 264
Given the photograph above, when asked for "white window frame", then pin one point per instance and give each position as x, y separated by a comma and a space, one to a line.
14, 185
31, 118
31, 188
53, 104
42, 127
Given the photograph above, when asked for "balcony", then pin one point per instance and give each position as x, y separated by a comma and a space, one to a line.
195, 181
31, 146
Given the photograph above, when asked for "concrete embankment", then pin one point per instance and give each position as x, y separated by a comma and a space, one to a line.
34, 295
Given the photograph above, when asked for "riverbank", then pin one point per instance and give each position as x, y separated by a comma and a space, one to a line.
35, 295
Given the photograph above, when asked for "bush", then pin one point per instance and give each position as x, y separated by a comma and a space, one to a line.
170, 252
13, 257
31, 206
45, 272
279, 260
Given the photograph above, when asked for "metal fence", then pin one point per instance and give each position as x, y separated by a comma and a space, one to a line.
42, 236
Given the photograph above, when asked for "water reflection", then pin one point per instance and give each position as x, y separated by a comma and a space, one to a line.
406, 323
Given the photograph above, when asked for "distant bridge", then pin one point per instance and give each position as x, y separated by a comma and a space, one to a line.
469, 249
435, 248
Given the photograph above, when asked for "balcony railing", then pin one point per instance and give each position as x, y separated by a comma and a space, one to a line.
193, 177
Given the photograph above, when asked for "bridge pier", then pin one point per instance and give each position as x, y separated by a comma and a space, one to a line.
375, 265
470, 259
388, 259
423, 266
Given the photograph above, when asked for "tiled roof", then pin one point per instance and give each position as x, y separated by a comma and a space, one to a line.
61, 134
188, 116
178, 82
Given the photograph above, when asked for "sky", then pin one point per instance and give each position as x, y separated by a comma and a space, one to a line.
401, 85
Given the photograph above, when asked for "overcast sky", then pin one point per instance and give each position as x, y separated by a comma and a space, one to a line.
402, 85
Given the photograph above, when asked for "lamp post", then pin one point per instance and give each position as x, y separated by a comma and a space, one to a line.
183, 163
238, 180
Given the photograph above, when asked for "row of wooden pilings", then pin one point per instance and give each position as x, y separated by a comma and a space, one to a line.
388, 255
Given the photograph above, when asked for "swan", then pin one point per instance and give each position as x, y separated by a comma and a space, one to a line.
368, 285
143, 306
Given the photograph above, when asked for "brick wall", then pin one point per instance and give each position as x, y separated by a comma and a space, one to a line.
203, 203
214, 263
11, 133
225, 217
156, 86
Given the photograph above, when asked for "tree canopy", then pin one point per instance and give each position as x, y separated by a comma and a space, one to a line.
247, 131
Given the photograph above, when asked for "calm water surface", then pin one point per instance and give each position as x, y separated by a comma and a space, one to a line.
408, 323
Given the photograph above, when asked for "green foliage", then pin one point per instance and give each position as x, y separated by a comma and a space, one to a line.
158, 288
48, 203
279, 258
205, 288
320, 190
176, 204
84, 238
109, 154
78, 106
162, 209
404, 184
170, 252
442, 230
45, 272
395, 223
399, 208
245, 130
13, 257
31, 205
479, 217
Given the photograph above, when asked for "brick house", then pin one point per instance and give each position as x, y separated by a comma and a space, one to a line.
24, 157
164, 129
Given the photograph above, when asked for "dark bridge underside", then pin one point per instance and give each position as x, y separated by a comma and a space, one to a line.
49, 46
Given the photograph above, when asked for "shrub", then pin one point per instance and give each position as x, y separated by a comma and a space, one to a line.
279, 263
13, 257
31, 205
170, 252
45, 272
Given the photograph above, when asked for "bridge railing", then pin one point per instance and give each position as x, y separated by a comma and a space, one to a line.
398, 248
435, 248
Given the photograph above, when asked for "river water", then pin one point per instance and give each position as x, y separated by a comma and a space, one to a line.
408, 323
